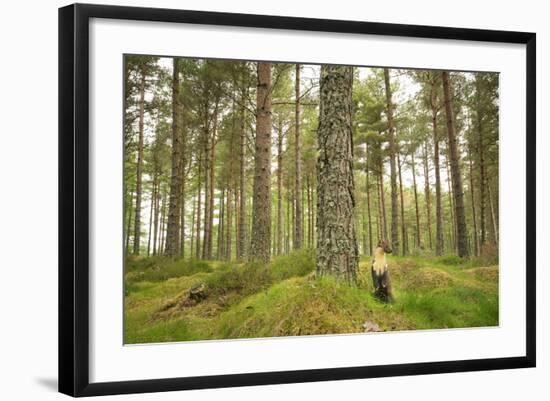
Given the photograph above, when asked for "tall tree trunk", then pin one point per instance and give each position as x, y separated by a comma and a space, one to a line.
153, 195
481, 162
174, 206
418, 244
199, 186
191, 249
139, 164
212, 163
162, 224
393, 173
473, 201
221, 228
453, 232
206, 217
279, 184
260, 247
367, 190
494, 223
129, 224
309, 225
229, 224
337, 252
182, 212
455, 169
383, 202
427, 195
158, 196
439, 242
298, 166
241, 237
404, 248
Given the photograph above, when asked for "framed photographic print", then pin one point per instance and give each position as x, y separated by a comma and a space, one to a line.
249, 199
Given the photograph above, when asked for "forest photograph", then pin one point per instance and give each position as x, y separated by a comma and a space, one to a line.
266, 199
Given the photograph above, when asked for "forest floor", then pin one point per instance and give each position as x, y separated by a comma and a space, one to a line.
285, 299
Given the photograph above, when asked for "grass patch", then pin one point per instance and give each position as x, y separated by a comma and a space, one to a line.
284, 298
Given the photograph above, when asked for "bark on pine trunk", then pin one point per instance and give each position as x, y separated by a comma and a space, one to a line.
174, 206
137, 222
298, 166
337, 252
439, 243
393, 172
260, 247
455, 169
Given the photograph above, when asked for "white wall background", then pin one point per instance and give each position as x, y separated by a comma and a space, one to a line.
28, 200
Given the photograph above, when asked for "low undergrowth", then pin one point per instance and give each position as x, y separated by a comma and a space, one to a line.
285, 299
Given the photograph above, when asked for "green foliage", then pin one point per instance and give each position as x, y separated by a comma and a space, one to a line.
161, 268
285, 299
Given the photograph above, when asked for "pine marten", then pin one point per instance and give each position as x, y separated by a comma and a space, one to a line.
380, 272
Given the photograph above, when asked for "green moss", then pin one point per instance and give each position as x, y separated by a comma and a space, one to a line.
285, 299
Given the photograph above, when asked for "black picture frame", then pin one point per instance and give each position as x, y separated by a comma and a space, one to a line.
74, 198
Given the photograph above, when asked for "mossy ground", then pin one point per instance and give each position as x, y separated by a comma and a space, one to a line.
285, 299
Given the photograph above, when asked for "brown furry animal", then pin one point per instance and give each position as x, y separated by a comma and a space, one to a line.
380, 272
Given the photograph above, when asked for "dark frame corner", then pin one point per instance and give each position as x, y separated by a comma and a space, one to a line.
74, 191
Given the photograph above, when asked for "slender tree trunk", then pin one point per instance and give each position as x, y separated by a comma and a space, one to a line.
337, 252
182, 212
151, 217
158, 197
404, 248
383, 202
193, 228
199, 186
309, 227
493, 215
427, 195
229, 224
162, 224
260, 247
213, 142
455, 169
453, 233
221, 232
174, 206
473, 201
241, 237
481, 161
279, 184
393, 172
137, 223
418, 238
439, 242
367, 190
298, 166
128, 227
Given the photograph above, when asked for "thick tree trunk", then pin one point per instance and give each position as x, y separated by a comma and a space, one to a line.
139, 164
418, 243
260, 247
174, 206
337, 252
393, 172
455, 169
298, 166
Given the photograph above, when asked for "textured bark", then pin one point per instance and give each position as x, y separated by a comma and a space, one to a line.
162, 224
158, 197
199, 189
494, 223
241, 227
279, 185
151, 210
129, 226
427, 196
452, 230
481, 162
229, 227
455, 169
139, 165
211, 180
418, 243
221, 228
405, 245
383, 202
298, 166
367, 190
337, 252
174, 205
473, 202
260, 246
439, 242
393, 172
